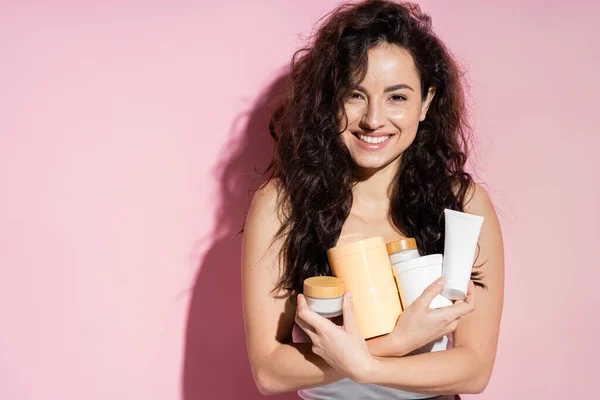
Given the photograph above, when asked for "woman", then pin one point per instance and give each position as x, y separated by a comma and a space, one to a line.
371, 140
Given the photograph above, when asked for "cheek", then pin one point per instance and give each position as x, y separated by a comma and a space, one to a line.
406, 119
354, 113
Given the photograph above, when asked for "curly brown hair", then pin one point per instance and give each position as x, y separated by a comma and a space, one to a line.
312, 166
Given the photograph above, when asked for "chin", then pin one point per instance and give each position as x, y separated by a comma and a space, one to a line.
373, 163
372, 160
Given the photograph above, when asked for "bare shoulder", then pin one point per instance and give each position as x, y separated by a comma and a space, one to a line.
265, 201
477, 201
264, 214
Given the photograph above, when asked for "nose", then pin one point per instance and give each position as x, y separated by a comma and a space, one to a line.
372, 118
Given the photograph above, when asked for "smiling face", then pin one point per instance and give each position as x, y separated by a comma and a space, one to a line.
385, 109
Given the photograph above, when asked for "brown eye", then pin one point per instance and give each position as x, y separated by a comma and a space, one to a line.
397, 97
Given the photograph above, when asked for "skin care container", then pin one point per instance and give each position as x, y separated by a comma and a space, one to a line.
462, 233
414, 275
402, 250
365, 268
324, 295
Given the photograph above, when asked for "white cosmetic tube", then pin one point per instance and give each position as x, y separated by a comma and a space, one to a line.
462, 234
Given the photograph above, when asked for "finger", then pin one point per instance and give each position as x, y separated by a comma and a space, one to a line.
350, 323
425, 299
471, 288
306, 327
309, 330
470, 298
470, 293
317, 323
460, 307
456, 311
318, 351
452, 326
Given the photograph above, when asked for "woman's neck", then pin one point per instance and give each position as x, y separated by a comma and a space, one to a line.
372, 192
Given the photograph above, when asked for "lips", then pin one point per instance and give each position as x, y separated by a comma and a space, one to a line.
373, 134
372, 141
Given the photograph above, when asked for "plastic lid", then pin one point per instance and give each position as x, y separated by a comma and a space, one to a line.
418, 262
355, 247
401, 245
323, 287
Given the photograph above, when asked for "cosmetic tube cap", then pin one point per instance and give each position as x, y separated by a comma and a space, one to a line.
323, 287
401, 245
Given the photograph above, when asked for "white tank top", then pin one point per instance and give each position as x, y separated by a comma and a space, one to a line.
347, 389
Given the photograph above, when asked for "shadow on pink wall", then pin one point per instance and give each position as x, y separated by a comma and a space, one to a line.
215, 361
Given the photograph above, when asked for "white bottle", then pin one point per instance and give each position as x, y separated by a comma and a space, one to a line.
460, 245
413, 274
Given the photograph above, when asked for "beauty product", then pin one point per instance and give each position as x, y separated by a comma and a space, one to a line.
462, 233
365, 268
324, 295
402, 250
414, 275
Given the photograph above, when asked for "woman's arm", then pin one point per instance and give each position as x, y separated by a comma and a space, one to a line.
468, 366
280, 367
277, 365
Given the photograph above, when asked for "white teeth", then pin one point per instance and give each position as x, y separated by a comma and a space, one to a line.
373, 140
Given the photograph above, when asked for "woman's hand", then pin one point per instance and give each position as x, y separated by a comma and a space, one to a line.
419, 325
342, 347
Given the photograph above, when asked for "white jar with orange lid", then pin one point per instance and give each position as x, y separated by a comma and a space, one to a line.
402, 250
324, 295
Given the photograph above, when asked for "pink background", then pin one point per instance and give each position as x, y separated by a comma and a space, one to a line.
128, 133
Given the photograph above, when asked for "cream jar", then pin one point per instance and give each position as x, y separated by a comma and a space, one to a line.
324, 295
402, 250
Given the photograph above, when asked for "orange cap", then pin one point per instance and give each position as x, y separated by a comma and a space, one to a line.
401, 245
323, 287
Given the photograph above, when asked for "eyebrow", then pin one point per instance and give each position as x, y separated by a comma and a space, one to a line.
389, 88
